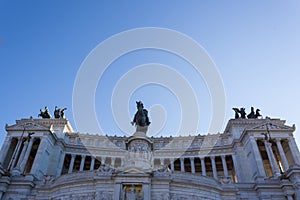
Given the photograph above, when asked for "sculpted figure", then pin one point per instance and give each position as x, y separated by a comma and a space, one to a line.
240, 113
251, 114
243, 113
62, 113
236, 112
257, 114
141, 116
59, 113
56, 112
44, 114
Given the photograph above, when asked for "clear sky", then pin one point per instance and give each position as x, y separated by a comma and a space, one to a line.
255, 46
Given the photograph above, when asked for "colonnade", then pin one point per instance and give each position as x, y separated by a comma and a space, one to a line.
88, 162
210, 161
68, 161
16, 152
276, 156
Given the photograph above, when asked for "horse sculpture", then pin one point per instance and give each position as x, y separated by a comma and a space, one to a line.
141, 116
251, 114
44, 114
59, 113
241, 113
257, 114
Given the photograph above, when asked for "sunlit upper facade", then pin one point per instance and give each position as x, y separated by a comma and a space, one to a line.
251, 159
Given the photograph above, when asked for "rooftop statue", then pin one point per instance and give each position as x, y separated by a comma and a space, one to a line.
44, 114
141, 116
251, 114
236, 111
59, 113
257, 114
241, 113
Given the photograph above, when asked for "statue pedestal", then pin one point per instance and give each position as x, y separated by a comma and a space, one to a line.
141, 129
139, 151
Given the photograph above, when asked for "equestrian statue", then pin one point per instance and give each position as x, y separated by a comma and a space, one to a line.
141, 118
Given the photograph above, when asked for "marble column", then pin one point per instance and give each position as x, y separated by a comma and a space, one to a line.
172, 164
236, 167
103, 160
282, 154
203, 166
15, 154
41, 159
117, 191
146, 192
113, 160
26, 156
182, 165
224, 165
161, 161
92, 163
61, 164
71, 163
21, 157
214, 168
260, 167
192, 164
294, 150
82, 162
272, 159
4, 149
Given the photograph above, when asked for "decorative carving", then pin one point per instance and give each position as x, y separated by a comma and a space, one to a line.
105, 169
225, 180
48, 179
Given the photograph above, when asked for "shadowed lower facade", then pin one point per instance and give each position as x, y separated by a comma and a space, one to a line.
252, 159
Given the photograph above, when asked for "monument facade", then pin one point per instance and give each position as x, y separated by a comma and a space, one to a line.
254, 158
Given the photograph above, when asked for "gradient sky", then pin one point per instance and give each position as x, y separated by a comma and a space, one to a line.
254, 44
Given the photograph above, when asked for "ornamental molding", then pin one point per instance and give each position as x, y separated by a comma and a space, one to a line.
27, 126
271, 126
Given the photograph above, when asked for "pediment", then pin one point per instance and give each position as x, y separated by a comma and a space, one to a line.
28, 126
271, 126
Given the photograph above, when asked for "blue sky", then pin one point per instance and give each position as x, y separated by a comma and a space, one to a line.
255, 46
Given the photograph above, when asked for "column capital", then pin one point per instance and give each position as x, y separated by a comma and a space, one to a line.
277, 139
73, 155
223, 156
191, 158
202, 157
181, 158
83, 156
212, 157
